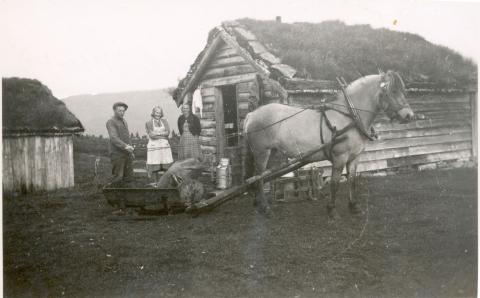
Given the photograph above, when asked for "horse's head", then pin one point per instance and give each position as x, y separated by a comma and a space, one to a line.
392, 97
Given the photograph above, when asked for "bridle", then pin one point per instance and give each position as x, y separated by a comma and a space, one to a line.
388, 104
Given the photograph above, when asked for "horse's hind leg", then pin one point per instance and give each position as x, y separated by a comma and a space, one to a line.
261, 160
352, 185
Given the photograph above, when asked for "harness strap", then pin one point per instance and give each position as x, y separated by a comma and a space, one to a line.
353, 112
335, 133
325, 151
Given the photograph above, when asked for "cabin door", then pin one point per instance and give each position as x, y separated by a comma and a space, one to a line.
230, 115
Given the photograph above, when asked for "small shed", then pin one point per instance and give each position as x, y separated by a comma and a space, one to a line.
236, 71
37, 138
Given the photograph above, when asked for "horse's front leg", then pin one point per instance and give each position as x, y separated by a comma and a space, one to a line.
337, 167
352, 186
261, 160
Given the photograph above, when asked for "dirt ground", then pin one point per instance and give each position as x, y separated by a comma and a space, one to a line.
416, 238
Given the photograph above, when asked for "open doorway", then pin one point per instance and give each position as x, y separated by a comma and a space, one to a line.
229, 96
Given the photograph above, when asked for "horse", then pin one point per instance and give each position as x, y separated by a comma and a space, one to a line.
295, 130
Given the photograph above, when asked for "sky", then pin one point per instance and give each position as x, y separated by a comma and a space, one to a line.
88, 47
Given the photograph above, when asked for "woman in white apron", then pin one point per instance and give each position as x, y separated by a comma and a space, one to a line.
159, 154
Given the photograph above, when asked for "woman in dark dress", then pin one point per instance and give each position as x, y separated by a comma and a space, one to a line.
189, 128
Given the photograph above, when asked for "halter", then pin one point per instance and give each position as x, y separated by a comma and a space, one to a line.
392, 104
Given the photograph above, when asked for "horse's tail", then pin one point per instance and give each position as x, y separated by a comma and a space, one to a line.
249, 160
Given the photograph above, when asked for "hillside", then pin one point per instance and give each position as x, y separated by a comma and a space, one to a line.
331, 48
95, 110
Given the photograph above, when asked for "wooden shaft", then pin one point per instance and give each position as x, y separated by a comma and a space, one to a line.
209, 204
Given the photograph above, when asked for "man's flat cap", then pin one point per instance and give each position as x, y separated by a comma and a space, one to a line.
120, 104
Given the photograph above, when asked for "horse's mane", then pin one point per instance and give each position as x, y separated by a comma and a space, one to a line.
395, 84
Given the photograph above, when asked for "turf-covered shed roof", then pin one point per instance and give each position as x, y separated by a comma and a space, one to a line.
28, 106
328, 49
308, 57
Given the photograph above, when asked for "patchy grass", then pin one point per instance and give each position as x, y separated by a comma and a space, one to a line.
417, 238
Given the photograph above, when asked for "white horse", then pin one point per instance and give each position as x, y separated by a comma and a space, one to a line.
293, 131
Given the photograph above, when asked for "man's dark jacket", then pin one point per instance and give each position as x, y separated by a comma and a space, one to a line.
119, 137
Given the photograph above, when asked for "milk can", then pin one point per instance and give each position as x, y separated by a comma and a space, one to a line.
224, 175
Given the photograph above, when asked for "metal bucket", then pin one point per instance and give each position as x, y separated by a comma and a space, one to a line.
224, 174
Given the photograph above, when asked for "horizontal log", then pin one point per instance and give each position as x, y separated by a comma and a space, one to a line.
427, 158
207, 123
207, 91
416, 150
208, 149
208, 132
243, 87
229, 80
438, 100
227, 61
208, 141
243, 96
422, 132
454, 112
271, 94
208, 107
208, 115
228, 71
243, 106
388, 126
208, 99
447, 116
226, 53
392, 163
367, 166
417, 141
439, 107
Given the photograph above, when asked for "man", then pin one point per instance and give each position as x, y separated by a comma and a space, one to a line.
121, 150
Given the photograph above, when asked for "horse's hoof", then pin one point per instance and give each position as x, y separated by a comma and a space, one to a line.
332, 213
264, 210
354, 209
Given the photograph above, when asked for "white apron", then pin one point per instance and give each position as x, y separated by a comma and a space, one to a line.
158, 151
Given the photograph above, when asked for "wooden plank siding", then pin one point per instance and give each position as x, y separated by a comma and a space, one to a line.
446, 135
37, 163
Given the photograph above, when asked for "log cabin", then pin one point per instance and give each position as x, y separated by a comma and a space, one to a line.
236, 70
37, 138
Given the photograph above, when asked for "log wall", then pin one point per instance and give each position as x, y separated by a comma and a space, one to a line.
446, 136
228, 68
37, 163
